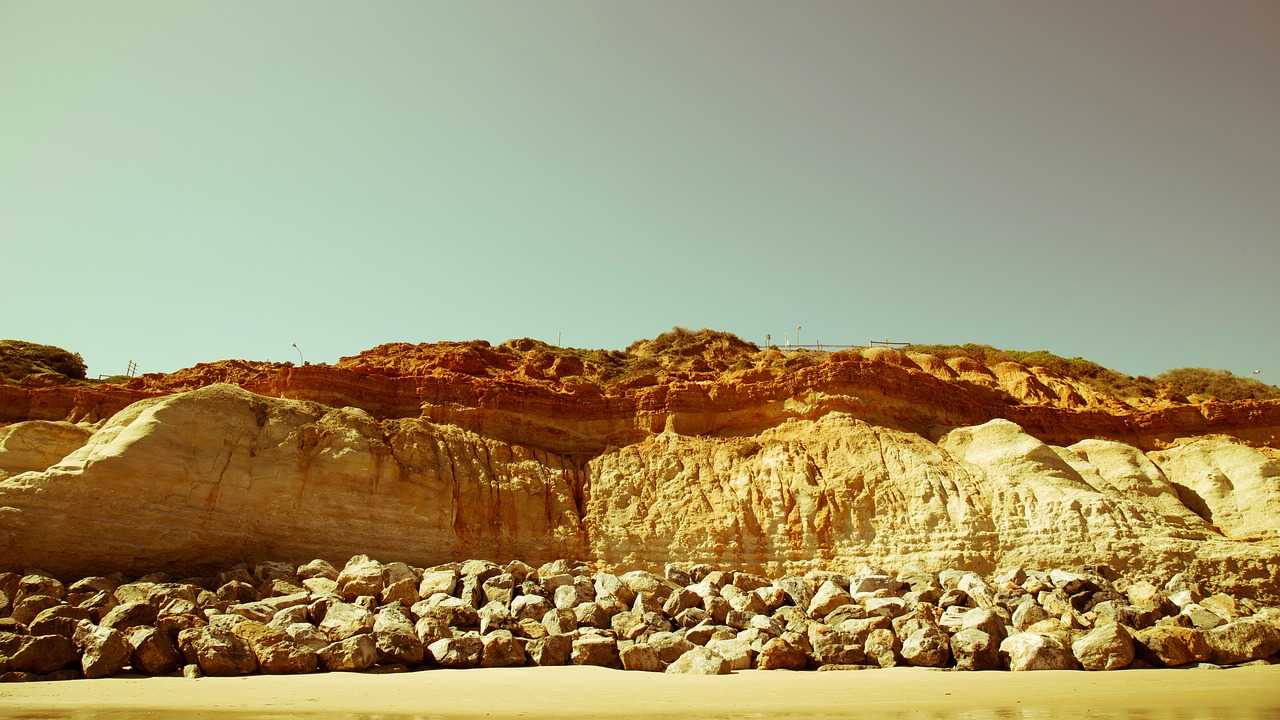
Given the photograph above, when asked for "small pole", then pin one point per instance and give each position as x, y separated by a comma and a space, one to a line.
300, 360
786, 341
797, 336
558, 339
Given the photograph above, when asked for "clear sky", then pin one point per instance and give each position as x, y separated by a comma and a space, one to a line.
190, 181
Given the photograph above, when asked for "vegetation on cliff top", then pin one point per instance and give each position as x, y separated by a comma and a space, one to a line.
684, 352
1102, 379
1221, 384
19, 359
1185, 382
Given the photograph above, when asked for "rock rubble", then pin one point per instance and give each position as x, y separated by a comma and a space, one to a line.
277, 618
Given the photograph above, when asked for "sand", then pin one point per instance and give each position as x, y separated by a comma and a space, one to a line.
1246, 692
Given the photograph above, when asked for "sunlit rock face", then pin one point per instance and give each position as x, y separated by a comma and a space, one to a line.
218, 475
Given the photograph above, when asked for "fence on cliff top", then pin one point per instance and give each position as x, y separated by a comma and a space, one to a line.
821, 346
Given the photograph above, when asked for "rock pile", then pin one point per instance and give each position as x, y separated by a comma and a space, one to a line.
280, 618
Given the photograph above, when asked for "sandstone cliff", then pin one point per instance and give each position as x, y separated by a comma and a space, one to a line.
829, 466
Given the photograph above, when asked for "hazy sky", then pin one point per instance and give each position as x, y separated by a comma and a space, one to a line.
189, 181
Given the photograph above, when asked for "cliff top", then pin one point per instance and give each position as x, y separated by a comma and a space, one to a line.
681, 356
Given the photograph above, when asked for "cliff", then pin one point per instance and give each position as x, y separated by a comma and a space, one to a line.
714, 451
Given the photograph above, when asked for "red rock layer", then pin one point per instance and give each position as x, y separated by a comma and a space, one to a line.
581, 403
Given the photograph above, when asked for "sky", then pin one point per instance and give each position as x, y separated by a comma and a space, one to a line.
183, 182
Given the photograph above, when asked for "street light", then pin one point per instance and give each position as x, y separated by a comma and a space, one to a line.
300, 361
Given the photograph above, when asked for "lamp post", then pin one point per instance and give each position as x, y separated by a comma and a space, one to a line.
300, 361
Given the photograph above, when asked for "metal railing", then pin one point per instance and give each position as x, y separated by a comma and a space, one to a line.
821, 346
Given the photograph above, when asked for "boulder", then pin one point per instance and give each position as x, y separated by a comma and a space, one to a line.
219, 651
926, 646
28, 608
343, 620
500, 588
98, 604
1027, 614
552, 650
399, 584
628, 625
276, 651
1201, 617
1106, 647
669, 646
232, 592
642, 657
591, 615
699, 661
645, 582
779, 654
978, 589
1168, 646
307, 635
881, 647
797, 589
153, 652
1036, 651
860, 584
1143, 594
396, 638
316, 569
495, 616
828, 597
975, 649
438, 581
560, 621
130, 614
681, 600
463, 651
1224, 606
533, 607
351, 654
449, 610
890, 607
1241, 641
835, 647
986, 620
596, 650
362, 575
58, 620
737, 651
38, 583
105, 651
39, 654
501, 649
609, 585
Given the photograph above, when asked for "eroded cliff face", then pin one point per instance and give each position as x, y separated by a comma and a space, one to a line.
196, 479
840, 492
217, 475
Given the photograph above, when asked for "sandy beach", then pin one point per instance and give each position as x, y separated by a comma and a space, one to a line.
1248, 692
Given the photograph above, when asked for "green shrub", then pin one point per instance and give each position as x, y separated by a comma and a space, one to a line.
1102, 379
1218, 383
19, 359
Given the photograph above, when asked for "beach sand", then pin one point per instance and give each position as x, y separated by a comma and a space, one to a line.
1246, 692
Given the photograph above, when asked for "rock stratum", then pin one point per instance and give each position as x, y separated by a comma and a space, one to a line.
711, 451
